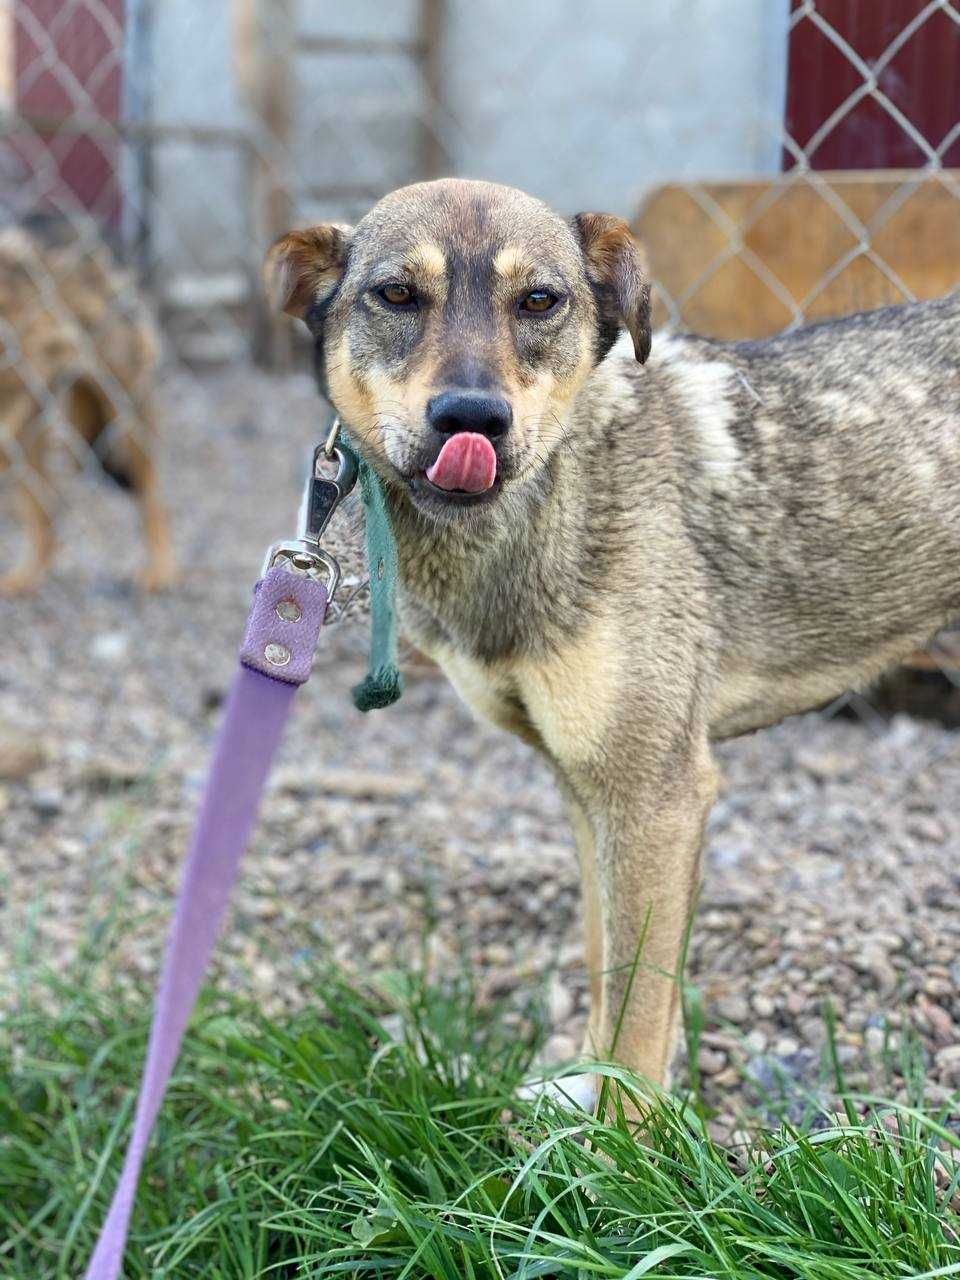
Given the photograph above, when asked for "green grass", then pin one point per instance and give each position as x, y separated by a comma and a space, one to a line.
348, 1141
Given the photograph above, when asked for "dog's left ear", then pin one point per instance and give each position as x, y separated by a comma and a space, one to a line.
617, 272
303, 268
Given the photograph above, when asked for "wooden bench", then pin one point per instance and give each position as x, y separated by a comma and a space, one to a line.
744, 259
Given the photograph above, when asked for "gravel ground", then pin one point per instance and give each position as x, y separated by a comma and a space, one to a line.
832, 871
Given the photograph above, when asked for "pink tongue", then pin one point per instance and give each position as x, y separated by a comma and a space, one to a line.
467, 462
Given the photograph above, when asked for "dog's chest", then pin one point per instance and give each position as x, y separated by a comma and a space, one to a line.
492, 693
561, 701
491, 610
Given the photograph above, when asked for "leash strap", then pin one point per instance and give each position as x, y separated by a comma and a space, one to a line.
276, 657
383, 683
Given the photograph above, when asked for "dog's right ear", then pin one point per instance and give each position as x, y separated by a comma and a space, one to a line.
303, 268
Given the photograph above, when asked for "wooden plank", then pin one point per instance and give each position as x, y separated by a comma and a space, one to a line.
434, 161
744, 259
273, 33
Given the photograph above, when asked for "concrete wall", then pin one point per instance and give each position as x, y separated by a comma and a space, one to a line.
586, 105
198, 199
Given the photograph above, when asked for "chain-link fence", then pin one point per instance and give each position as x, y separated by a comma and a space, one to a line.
181, 144
866, 210
781, 161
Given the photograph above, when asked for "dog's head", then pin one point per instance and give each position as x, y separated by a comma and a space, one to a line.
454, 326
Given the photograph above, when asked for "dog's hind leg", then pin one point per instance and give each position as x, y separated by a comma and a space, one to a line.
27, 457
160, 570
123, 448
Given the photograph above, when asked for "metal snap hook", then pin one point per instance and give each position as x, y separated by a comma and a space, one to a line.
332, 435
322, 495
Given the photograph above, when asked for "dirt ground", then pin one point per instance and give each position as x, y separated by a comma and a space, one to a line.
832, 873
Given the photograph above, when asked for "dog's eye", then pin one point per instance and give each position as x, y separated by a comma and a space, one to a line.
398, 295
538, 301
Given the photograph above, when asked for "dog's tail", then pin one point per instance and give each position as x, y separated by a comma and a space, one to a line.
92, 416
112, 462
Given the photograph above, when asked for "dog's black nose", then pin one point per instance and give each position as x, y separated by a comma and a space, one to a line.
454, 411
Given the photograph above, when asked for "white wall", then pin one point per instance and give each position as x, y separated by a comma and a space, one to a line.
586, 105
199, 192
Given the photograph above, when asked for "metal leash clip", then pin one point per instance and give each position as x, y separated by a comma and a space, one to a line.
321, 497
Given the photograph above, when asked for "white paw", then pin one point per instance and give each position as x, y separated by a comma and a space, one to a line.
579, 1090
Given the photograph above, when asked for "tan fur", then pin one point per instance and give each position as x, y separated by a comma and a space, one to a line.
79, 347
676, 551
511, 261
571, 694
429, 258
568, 698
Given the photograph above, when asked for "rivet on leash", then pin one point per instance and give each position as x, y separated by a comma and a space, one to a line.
278, 654
289, 611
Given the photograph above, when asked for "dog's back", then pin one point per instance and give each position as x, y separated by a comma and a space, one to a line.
77, 345
68, 309
814, 472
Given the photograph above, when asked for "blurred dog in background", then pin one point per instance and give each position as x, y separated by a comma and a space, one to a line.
78, 352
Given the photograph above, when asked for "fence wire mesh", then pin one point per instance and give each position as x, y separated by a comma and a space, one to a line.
150, 152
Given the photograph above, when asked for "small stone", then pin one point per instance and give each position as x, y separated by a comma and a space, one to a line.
393, 882
928, 828
109, 646
873, 962
107, 773
939, 988
875, 1038
559, 1048
733, 1009
825, 765
20, 755
948, 1063
46, 803
763, 1006
891, 942
712, 1061
560, 1003
938, 1020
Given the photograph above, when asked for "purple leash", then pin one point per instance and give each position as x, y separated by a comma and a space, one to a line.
284, 624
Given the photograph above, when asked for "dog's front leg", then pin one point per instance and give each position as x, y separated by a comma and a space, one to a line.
648, 834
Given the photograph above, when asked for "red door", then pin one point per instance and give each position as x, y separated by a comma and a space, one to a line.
68, 62
917, 70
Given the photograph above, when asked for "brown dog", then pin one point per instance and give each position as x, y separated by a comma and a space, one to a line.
619, 558
79, 353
